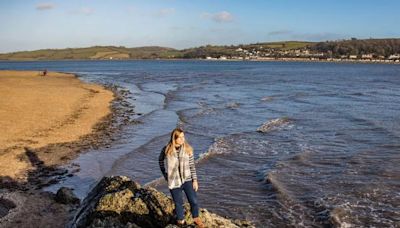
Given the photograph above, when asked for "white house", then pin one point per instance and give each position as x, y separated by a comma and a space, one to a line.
367, 56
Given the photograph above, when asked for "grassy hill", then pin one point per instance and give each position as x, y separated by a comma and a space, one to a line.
286, 45
96, 52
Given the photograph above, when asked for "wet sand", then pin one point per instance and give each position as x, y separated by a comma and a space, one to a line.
40, 110
45, 122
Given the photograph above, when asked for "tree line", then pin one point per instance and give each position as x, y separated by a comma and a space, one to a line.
376, 47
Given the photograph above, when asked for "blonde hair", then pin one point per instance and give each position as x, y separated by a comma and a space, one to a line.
169, 149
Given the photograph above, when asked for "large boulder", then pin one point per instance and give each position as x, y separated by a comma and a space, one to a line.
120, 202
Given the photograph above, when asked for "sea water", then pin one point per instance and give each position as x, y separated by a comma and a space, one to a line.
278, 143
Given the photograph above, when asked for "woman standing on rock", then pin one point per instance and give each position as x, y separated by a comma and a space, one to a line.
181, 174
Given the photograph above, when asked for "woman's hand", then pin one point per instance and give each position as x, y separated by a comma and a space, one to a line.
195, 185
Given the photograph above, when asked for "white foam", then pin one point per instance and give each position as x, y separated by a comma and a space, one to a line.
274, 124
218, 147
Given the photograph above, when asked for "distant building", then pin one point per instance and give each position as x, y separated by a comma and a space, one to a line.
352, 56
318, 54
395, 56
367, 56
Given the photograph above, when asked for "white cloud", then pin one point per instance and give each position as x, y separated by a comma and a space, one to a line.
220, 17
45, 6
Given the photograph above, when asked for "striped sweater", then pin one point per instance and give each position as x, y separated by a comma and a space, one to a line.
180, 167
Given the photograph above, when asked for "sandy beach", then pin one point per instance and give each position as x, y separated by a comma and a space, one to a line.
40, 110
46, 121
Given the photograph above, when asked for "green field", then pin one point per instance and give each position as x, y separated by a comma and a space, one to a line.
95, 53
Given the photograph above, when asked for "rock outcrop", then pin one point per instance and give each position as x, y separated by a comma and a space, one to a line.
66, 196
120, 202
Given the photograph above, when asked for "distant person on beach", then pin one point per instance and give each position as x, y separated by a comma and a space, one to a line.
45, 72
181, 175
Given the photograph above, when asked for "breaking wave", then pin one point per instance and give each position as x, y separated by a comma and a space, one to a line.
274, 124
220, 146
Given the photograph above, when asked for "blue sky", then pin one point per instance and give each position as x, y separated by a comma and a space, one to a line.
31, 25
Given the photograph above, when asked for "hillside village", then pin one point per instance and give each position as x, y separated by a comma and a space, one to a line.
302, 54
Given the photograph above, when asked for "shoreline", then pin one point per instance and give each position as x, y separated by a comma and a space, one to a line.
22, 200
213, 60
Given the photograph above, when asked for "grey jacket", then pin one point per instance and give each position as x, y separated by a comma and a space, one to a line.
180, 167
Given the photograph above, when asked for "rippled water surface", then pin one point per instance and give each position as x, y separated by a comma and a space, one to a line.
280, 144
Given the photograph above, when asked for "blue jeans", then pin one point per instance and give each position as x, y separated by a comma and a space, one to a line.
176, 193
